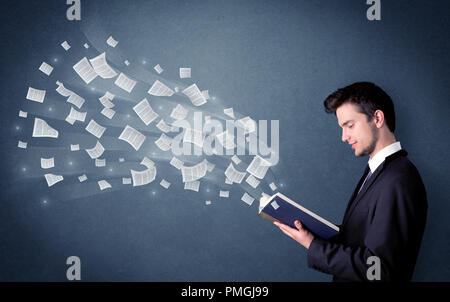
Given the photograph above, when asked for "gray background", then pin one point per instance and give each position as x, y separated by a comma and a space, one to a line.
274, 60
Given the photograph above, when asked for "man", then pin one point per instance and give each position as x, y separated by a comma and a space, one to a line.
386, 214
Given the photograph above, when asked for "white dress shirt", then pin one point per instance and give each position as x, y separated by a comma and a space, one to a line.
381, 155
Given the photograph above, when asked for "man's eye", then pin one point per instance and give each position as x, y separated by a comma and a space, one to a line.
350, 126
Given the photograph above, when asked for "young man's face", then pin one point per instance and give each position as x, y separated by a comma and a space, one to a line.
357, 130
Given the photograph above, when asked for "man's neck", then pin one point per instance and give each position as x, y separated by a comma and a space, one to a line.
383, 142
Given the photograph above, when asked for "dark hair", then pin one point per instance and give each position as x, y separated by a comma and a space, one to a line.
367, 96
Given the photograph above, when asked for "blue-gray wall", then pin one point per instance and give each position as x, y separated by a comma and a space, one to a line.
274, 60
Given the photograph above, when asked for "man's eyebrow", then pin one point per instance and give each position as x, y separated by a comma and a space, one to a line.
345, 123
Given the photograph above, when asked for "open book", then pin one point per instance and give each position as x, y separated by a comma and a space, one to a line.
280, 208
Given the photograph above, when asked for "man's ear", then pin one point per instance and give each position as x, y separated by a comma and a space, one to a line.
378, 118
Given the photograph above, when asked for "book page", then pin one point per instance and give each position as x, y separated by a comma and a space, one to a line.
176, 163
160, 89
141, 178
258, 167
35, 95
76, 100
158, 69
185, 73
164, 142
42, 129
145, 112
234, 175
95, 129
53, 179
192, 185
195, 95
133, 137
247, 199
111, 41
97, 151
125, 82
102, 68
108, 112
103, 184
46, 68
85, 70
179, 112
193, 173
47, 163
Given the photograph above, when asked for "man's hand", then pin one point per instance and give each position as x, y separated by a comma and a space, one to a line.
300, 234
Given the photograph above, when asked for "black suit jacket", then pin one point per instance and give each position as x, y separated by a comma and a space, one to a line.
386, 219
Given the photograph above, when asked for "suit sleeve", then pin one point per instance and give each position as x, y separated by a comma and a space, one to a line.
390, 237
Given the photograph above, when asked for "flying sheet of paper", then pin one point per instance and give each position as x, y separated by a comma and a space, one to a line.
100, 162
76, 100
247, 124
147, 162
46, 68
192, 185
225, 194
185, 73
207, 202
229, 112
228, 182
35, 95
145, 112
53, 179
22, 145
23, 114
247, 199
86, 45
121, 160
158, 69
108, 112
273, 186
82, 178
97, 151
103, 184
47, 163
106, 102
258, 167
234, 175
193, 136
42, 129
126, 62
95, 129
165, 184
252, 181
63, 90
141, 178
65, 45
163, 126
236, 159
195, 95
74, 147
193, 173
126, 180
176, 163
226, 140
133, 137
77, 115
70, 120
164, 142
205, 94
85, 70
160, 89
179, 112
111, 41
125, 82
101, 67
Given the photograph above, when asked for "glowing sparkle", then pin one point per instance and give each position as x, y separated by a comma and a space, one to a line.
207, 190
24, 169
17, 128
144, 62
128, 115
44, 201
154, 193
70, 163
55, 60
160, 107
214, 98
50, 109
110, 169
92, 88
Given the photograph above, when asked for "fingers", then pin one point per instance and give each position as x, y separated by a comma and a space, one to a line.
298, 225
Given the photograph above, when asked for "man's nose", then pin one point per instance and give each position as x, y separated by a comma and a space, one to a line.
344, 135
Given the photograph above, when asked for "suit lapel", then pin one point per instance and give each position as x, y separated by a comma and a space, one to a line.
355, 192
357, 197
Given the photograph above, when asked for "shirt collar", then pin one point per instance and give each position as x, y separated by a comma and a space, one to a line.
381, 155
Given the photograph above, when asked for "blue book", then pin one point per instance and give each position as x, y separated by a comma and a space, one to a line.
280, 208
